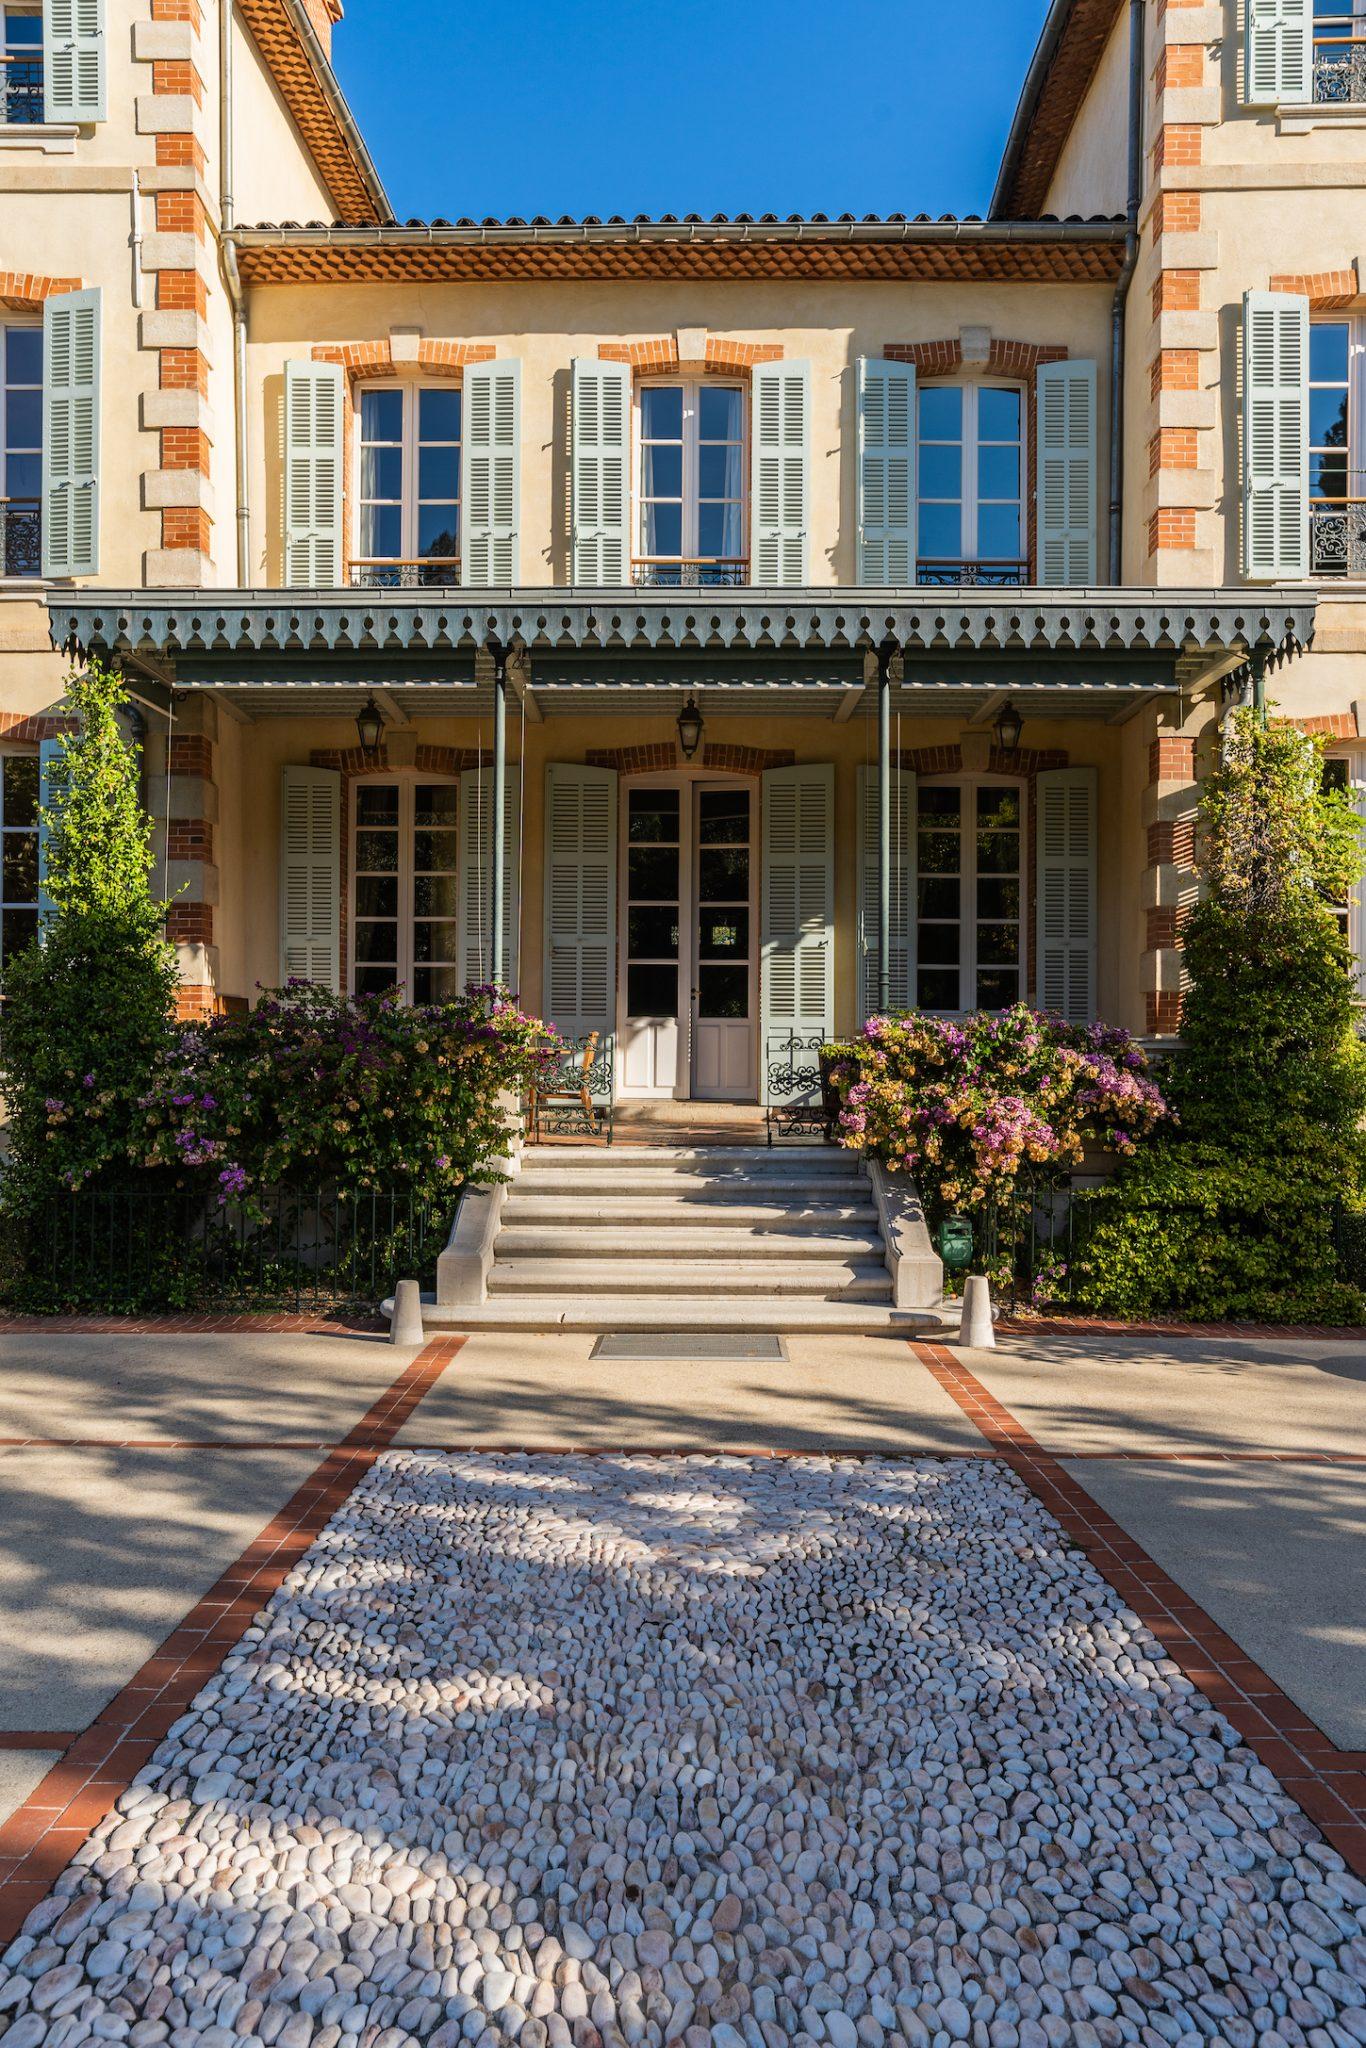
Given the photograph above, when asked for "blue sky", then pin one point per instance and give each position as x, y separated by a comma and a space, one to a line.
702, 106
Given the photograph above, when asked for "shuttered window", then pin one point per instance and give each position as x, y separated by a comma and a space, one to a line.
408, 486
71, 435
21, 450
1275, 435
1337, 478
780, 471
310, 876
490, 551
601, 459
1067, 829
73, 60
970, 509
902, 897
1066, 460
314, 407
886, 472
476, 879
580, 899
692, 485
1278, 62
797, 979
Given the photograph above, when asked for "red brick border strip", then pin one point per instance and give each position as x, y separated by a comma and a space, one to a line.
1327, 1782
37, 1738
1104, 1326
224, 1323
41, 1836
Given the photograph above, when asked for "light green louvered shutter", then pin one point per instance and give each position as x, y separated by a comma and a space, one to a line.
781, 481
1067, 474
1278, 65
73, 60
71, 434
1275, 435
886, 472
602, 471
1356, 914
797, 979
1067, 828
476, 877
51, 754
580, 992
902, 893
310, 876
314, 412
490, 551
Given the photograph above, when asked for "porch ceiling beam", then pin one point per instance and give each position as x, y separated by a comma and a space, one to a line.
519, 675
849, 704
997, 701
393, 711
235, 713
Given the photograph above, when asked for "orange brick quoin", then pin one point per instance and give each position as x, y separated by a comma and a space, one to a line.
1176, 369
182, 291
179, 10
1171, 528
1180, 65
177, 151
1176, 213
1176, 291
1178, 147
1171, 758
1171, 843
1174, 448
1162, 1014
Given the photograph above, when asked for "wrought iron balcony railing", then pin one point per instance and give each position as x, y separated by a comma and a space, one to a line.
21, 91
709, 572
1340, 70
1337, 537
21, 537
431, 572
951, 574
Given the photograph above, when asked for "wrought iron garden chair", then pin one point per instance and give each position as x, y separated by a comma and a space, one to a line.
570, 1086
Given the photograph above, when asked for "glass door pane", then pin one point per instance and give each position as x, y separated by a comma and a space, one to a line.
375, 924
436, 977
653, 870
723, 915
939, 936
999, 841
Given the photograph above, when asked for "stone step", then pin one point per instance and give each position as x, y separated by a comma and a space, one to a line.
728, 1163
787, 1315
776, 1189
731, 1211
518, 1241
833, 1279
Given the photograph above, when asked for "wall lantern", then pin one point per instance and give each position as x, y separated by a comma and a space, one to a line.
370, 726
690, 728
1009, 726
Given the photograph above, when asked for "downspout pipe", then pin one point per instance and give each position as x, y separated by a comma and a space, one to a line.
1119, 311
232, 279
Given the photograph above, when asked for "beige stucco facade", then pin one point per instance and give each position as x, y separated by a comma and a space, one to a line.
133, 204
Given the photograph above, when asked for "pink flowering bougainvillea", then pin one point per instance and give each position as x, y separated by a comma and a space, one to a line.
973, 1108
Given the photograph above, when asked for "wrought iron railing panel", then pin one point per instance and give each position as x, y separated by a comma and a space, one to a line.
699, 575
1340, 71
792, 1086
436, 573
21, 537
956, 574
21, 91
1337, 539
559, 1111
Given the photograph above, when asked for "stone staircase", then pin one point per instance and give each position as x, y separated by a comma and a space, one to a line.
640, 1238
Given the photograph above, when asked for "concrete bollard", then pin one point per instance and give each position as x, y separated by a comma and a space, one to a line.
405, 1326
977, 1332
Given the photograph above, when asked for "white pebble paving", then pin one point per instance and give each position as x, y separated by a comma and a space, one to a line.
716, 1752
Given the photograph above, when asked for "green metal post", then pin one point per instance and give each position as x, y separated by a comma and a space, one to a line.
1259, 686
497, 912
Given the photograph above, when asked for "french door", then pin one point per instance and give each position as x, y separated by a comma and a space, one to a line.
688, 988
404, 889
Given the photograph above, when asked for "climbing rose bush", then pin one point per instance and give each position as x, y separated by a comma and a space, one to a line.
972, 1108
365, 1091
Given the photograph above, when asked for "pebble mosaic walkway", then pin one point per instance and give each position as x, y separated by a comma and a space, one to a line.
721, 1752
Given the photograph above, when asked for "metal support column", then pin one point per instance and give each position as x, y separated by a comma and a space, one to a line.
497, 907
884, 827
1259, 685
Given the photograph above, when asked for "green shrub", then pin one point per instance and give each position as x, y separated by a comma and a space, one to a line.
89, 1009
1232, 1216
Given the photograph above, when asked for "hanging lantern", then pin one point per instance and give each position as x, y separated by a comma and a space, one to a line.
690, 728
1009, 726
370, 726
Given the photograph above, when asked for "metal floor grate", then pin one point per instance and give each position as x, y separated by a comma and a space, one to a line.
679, 1344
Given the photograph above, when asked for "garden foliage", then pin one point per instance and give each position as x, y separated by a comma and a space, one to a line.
1234, 1215
88, 1012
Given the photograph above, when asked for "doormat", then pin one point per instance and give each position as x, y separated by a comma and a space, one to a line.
678, 1344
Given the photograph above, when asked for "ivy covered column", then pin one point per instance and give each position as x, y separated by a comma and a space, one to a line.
182, 796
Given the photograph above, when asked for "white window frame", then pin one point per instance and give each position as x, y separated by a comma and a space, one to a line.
1356, 426
1352, 15
971, 388
969, 784
690, 387
6, 831
406, 781
8, 327
410, 393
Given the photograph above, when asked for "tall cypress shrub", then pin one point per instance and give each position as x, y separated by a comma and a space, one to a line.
1234, 1215
87, 1009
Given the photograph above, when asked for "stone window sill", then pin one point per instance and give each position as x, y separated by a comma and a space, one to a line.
1299, 120
50, 138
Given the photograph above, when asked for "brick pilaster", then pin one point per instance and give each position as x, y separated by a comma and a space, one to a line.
183, 799
1169, 882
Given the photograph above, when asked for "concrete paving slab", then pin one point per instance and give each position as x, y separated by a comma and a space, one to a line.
831, 1393
103, 1552
1103, 1393
1275, 1553
21, 1773
190, 1386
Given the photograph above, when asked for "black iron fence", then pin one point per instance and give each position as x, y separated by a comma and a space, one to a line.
131, 1250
